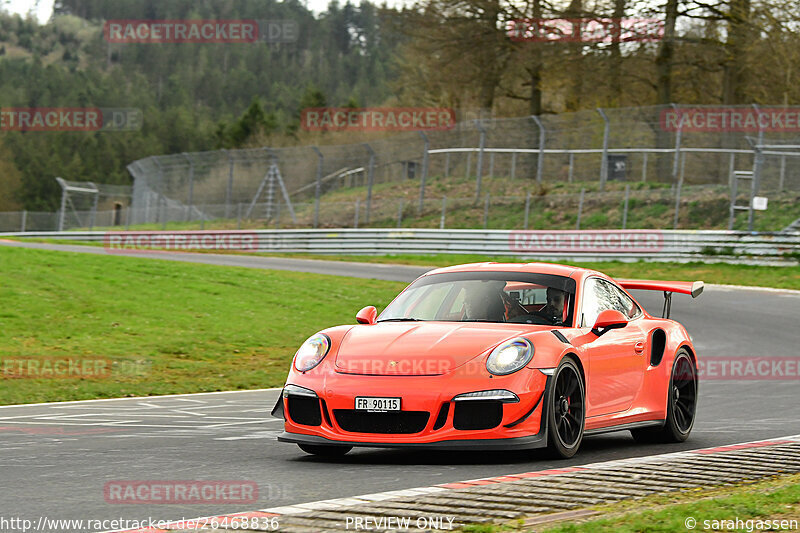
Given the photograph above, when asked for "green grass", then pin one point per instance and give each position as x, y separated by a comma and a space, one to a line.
782, 277
774, 499
184, 327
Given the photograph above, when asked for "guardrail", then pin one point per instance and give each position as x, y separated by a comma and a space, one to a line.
630, 245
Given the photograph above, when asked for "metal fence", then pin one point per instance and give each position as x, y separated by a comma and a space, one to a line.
623, 207
623, 144
629, 144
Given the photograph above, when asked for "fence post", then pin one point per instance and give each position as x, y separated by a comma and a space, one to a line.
355, 221
625, 208
229, 188
513, 164
486, 212
92, 217
189, 215
644, 168
400, 215
447, 165
571, 166
782, 178
731, 169
604, 161
444, 210
678, 196
540, 158
318, 186
481, 148
580, 209
370, 179
757, 161
424, 176
491, 164
63, 209
527, 209
127, 218
678, 137
24, 221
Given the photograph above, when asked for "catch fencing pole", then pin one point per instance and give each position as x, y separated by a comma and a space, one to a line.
424, 176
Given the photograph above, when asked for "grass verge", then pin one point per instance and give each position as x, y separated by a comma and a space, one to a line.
164, 327
715, 509
782, 277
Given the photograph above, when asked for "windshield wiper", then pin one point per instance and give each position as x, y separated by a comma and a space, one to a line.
401, 320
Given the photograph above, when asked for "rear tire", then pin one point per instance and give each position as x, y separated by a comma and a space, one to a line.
323, 450
566, 411
681, 404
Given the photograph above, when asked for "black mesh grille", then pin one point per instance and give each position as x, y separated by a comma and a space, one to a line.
392, 422
442, 418
478, 414
304, 411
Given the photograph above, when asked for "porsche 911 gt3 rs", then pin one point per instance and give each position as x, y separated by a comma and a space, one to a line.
494, 356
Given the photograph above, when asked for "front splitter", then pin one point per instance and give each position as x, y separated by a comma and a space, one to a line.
516, 443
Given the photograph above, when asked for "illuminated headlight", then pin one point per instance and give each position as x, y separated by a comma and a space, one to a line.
510, 356
312, 352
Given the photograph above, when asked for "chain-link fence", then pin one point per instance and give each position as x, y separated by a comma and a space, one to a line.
657, 145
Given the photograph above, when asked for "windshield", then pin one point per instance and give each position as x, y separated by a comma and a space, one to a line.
486, 297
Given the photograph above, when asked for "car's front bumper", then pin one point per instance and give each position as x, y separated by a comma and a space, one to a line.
518, 424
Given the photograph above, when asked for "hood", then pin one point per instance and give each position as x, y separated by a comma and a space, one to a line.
419, 348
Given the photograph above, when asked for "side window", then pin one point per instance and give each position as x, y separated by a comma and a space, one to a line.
601, 295
624, 304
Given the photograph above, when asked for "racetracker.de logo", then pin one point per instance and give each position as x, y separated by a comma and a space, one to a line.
586, 241
719, 119
70, 368
586, 30
180, 492
200, 31
187, 241
377, 119
70, 119
749, 368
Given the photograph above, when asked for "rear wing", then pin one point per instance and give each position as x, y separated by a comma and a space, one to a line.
695, 288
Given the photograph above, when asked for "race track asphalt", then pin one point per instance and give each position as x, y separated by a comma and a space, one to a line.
56, 458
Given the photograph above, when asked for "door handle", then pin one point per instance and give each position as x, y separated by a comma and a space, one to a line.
638, 347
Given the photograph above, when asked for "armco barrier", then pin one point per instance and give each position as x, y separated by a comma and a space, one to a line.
660, 245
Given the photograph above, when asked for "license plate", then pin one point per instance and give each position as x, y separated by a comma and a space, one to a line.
370, 403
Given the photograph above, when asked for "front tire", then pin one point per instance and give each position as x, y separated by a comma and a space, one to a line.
681, 404
566, 411
323, 450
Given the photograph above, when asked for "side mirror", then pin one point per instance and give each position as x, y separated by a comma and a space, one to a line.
609, 319
368, 315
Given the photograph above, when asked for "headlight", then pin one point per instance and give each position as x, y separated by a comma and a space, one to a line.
312, 352
509, 357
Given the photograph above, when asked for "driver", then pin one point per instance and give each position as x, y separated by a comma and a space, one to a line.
483, 301
553, 311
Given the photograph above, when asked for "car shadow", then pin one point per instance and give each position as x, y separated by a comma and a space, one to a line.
593, 449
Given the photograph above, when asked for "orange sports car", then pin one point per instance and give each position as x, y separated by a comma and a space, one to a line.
494, 356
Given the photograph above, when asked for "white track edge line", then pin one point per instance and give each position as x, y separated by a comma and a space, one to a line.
138, 397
